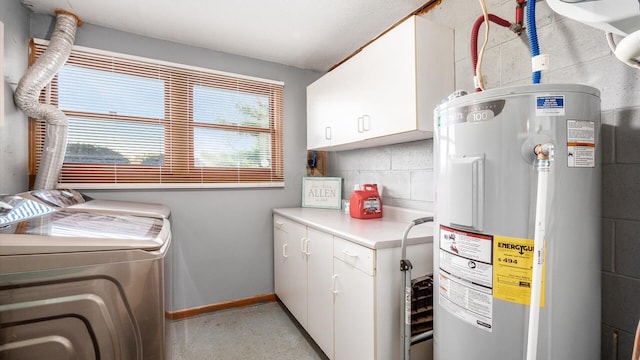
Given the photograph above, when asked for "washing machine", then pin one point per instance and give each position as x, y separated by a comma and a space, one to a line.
80, 285
73, 200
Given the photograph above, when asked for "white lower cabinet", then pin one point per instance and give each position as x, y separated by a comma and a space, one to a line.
353, 308
346, 296
281, 260
303, 268
319, 295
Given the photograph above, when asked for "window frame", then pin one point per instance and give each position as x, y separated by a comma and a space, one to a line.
179, 169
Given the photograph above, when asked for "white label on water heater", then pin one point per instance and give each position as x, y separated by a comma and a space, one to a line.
581, 143
466, 276
550, 105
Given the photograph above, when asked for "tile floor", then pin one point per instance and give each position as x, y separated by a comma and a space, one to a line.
264, 331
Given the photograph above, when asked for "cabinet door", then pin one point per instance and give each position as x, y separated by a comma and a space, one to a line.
281, 252
353, 313
390, 88
290, 266
320, 297
297, 235
334, 103
320, 112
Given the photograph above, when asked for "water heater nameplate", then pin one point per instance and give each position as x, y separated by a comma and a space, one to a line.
550, 105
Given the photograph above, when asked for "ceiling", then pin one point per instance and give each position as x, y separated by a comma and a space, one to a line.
302, 33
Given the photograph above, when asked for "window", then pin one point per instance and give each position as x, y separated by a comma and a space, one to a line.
137, 122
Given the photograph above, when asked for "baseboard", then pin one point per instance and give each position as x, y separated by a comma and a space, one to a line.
187, 313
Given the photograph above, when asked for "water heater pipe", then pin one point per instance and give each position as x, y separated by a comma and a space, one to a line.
474, 39
533, 36
517, 27
478, 79
544, 156
28, 91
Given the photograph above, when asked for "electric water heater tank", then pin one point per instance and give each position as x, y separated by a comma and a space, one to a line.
486, 175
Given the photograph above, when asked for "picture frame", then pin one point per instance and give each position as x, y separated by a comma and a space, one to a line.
322, 192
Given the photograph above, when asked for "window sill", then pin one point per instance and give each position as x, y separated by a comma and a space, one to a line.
171, 186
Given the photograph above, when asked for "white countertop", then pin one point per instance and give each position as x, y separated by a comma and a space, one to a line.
380, 233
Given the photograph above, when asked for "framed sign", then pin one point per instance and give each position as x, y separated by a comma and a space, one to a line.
322, 192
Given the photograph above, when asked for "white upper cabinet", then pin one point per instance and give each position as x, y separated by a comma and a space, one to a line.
386, 93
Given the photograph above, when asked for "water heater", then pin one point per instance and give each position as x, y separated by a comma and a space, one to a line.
488, 198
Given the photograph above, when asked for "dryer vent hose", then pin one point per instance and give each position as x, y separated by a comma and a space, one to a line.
28, 91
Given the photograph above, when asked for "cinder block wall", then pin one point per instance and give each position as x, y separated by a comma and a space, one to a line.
579, 54
404, 171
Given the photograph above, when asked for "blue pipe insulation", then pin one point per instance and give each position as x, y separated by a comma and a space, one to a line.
533, 35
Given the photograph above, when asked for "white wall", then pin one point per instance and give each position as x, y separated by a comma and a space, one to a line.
14, 127
579, 54
222, 239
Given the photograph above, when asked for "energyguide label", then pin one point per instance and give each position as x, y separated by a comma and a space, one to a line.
512, 275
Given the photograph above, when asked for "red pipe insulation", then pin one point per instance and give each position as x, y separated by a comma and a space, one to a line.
474, 37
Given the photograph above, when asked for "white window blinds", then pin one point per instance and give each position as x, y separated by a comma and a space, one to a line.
137, 122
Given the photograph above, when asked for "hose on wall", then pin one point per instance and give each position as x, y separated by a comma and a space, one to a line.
544, 154
28, 91
517, 27
533, 35
474, 37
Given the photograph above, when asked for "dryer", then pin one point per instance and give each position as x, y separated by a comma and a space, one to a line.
80, 285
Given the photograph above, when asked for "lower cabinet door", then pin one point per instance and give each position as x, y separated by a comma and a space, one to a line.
353, 313
281, 251
298, 272
320, 298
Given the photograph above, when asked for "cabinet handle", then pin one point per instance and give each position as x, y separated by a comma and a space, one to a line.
348, 253
306, 247
366, 123
303, 242
327, 133
360, 124
279, 224
333, 284
284, 250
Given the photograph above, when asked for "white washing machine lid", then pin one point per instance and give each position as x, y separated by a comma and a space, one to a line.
72, 200
62, 231
123, 207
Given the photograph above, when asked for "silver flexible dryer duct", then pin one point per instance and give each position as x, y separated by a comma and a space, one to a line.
28, 91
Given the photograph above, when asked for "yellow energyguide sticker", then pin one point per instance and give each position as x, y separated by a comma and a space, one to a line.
512, 270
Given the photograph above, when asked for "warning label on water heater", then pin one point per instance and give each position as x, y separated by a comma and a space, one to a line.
581, 143
466, 276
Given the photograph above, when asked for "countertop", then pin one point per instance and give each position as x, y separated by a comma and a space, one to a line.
380, 233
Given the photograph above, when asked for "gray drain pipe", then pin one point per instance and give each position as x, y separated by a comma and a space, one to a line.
28, 91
